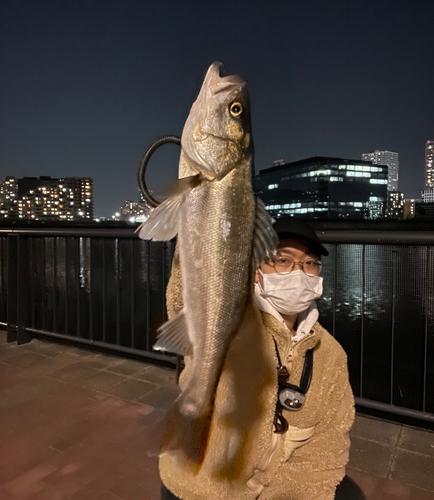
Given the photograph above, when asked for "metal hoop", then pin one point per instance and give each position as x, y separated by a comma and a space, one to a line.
167, 139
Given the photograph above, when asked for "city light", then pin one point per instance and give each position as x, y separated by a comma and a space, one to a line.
35, 198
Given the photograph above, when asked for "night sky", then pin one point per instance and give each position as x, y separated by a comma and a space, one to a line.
87, 85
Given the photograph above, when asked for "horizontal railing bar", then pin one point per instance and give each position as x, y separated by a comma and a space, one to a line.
116, 348
396, 410
77, 232
369, 237
377, 237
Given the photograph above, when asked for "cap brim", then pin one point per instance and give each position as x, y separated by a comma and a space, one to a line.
318, 248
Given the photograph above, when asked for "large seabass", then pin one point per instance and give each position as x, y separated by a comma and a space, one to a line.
222, 234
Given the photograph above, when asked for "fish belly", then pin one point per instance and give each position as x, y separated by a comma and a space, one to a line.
215, 246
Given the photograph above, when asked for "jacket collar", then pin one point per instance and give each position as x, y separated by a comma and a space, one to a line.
281, 333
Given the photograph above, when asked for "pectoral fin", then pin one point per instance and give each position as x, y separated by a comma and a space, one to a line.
265, 238
173, 336
162, 223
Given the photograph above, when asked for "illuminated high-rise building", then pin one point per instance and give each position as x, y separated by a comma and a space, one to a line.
8, 197
324, 188
428, 196
389, 158
133, 211
70, 198
395, 205
429, 164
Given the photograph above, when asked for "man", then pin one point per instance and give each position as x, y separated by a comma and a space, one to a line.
283, 407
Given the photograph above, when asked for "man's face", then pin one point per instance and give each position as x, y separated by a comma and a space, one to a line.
296, 249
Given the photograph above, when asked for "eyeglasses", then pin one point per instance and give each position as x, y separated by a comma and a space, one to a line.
284, 264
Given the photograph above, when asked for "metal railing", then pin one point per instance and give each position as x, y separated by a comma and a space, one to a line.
378, 302
106, 288
100, 287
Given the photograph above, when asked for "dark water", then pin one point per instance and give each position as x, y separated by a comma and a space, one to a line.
378, 302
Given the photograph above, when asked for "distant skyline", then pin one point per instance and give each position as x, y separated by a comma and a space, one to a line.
87, 85
389, 158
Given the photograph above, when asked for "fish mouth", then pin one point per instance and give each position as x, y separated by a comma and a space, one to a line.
218, 71
221, 84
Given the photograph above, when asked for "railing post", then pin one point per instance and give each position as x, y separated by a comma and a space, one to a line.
392, 333
23, 303
11, 313
148, 296
362, 320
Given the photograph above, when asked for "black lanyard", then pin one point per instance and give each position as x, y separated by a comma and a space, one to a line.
280, 422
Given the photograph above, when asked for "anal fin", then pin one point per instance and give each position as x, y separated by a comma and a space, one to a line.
173, 336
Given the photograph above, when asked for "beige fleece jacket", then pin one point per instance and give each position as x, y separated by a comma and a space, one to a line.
245, 459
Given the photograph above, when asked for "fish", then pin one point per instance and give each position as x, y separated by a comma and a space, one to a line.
223, 234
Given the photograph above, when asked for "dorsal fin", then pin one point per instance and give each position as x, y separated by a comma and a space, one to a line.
265, 237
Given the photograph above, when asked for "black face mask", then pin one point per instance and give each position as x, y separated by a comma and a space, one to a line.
291, 397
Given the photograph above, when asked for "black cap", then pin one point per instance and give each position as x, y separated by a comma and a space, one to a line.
288, 227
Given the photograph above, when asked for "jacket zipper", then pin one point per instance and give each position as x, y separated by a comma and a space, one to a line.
288, 355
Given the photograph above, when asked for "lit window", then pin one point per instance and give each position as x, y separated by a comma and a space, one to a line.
319, 172
358, 174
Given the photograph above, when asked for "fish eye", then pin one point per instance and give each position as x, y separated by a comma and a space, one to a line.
236, 109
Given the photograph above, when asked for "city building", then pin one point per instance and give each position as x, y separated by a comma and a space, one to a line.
8, 197
133, 211
409, 208
429, 164
69, 198
428, 196
324, 188
395, 205
390, 159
